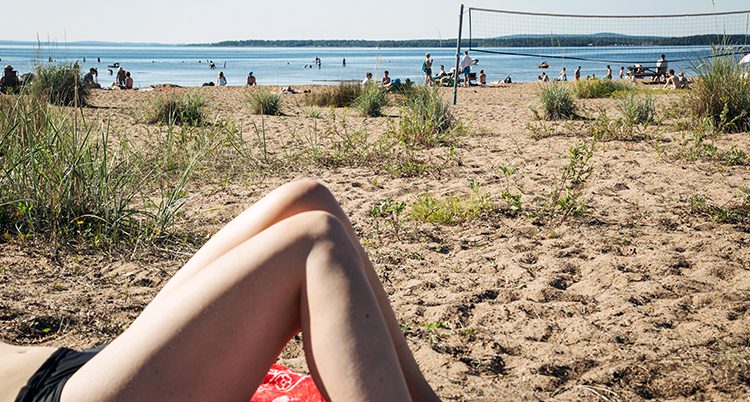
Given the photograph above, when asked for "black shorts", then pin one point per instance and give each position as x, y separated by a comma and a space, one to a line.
47, 383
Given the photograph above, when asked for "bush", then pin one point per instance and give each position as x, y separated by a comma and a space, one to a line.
426, 119
371, 101
721, 95
60, 85
334, 96
557, 102
178, 109
263, 101
637, 109
591, 89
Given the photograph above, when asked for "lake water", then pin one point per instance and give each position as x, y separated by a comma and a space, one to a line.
187, 66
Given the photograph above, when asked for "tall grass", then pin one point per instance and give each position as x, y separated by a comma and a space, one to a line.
721, 95
61, 179
334, 96
371, 101
637, 109
178, 109
60, 84
263, 101
591, 89
557, 102
427, 119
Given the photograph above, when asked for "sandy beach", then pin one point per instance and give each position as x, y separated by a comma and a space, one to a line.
641, 297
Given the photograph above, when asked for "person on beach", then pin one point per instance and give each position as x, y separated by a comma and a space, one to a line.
120, 78
251, 81
482, 78
128, 81
577, 74
622, 72
661, 68
221, 80
427, 69
543, 77
609, 73
289, 263
386, 80
563, 75
91, 79
368, 80
10, 79
466, 63
674, 81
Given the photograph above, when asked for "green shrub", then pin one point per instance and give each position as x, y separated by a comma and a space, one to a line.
721, 95
426, 119
263, 101
178, 109
60, 84
637, 109
452, 210
334, 96
371, 101
591, 89
557, 102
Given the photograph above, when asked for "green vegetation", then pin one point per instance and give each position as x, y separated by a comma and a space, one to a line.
59, 84
371, 101
557, 102
389, 211
592, 89
637, 109
565, 199
334, 96
697, 148
62, 180
736, 214
263, 101
426, 120
177, 109
721, 95
453, 210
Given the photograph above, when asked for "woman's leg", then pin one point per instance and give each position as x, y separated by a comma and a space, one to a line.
288, 200
214, 337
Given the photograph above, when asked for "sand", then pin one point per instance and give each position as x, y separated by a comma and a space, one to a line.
637, 299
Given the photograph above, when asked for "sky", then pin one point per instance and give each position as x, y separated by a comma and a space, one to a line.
189, 21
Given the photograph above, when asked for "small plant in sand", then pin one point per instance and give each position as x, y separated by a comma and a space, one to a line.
427, 120
312, 112
565, 199
334, 96
512, 200
696, 148
720, 96
60, 85
371, 101
557, 102
637, 109
591, 89
177, 109
389, 211
453, 210
606, 128
263, 101
737, 213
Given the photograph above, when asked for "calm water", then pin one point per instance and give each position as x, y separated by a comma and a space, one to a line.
285, 66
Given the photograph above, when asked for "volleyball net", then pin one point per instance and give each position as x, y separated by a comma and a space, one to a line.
608, 38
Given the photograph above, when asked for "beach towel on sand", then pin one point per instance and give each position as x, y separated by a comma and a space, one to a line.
284, 385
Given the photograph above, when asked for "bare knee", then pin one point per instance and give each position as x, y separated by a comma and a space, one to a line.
308, 194
330, 240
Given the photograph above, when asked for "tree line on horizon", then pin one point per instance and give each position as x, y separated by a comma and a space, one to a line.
531, 41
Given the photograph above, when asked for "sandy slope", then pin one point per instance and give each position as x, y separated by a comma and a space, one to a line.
637, 299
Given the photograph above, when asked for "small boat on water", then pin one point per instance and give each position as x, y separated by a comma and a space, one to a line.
114, 65
544, 65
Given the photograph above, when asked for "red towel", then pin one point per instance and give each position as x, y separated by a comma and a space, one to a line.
284, 385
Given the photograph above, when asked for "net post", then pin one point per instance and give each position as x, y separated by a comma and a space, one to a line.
458, 54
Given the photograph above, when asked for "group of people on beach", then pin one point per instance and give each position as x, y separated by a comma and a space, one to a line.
662, 74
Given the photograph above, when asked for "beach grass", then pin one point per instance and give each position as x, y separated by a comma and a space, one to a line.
453, 210
60, 84
557, 102
720, 96
427, 120
177, 109
637, 109
594, 89
334, 96
371, 101
263, 101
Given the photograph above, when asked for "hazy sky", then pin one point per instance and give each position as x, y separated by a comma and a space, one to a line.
188, 21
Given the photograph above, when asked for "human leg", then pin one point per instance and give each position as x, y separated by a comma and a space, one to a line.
214, 337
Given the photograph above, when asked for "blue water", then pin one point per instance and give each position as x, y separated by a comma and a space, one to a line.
285, 66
